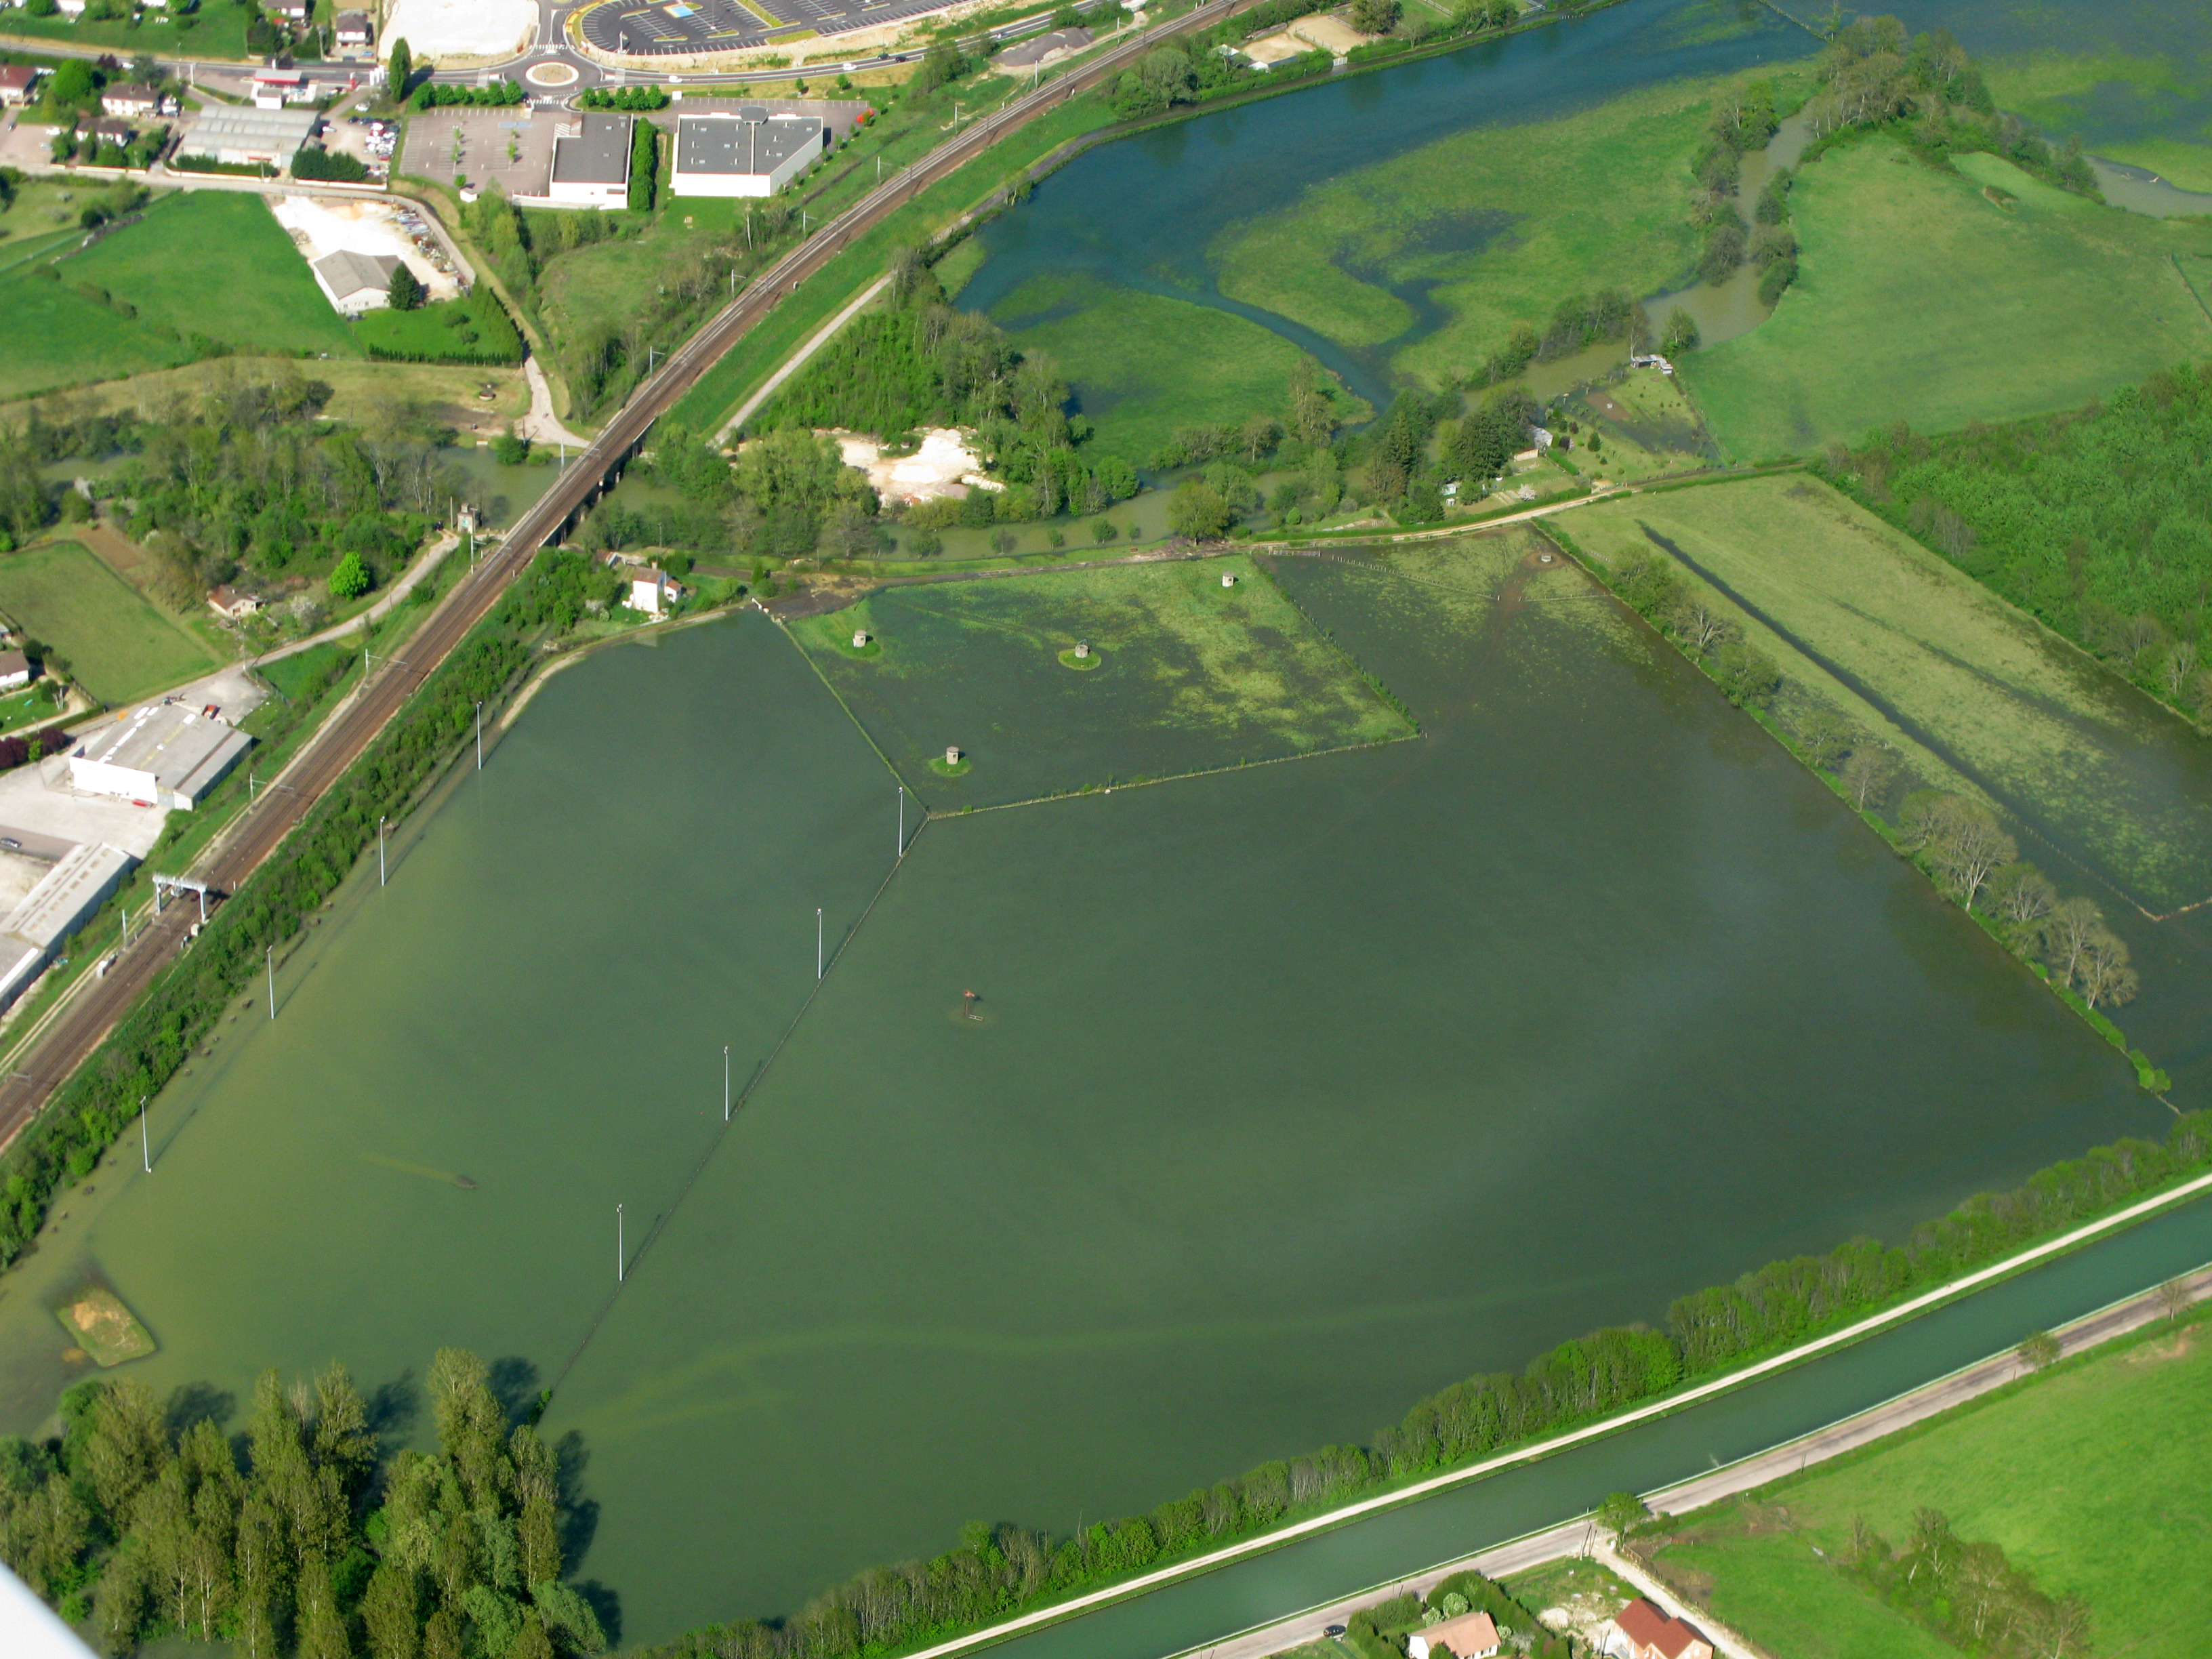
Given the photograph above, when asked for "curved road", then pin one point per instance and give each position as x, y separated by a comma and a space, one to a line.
78, 1026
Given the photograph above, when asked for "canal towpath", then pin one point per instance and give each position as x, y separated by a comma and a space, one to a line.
1581, 1537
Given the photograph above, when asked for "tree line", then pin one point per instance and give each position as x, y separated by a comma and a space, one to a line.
1968, 1594
2097, 522
296, 1536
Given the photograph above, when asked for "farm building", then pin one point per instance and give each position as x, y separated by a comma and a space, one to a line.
750, 152
78, 885
167, 753
355, 282
1471, 1635
239, 135
590, 162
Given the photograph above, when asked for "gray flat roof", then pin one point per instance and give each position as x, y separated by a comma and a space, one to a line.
724, 144
172, 740
238, 128
86, 875
600, 154
1029, 51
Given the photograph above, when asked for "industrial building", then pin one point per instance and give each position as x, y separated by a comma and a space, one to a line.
748, 152
590, 162
238, 136
56, 907
355, 283
167, 754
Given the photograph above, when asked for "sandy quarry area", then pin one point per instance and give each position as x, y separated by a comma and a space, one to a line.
944, 466
321, 226
461, 28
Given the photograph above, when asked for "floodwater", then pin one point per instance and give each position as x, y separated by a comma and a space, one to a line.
1298, 1092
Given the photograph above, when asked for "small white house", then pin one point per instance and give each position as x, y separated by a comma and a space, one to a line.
653, 590
1470, 1636
14, 670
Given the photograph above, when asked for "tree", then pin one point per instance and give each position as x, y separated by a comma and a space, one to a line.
2174, 1298
1699, 623
2072, 924
1868, 773
1747, 674
644, 165
350, 578
2040, 1351
2103, 972
510, 447
1198, 510
1621, 1513
2022, 893
399, 70
406, 291
1965, 845
1680, 334
1375, 16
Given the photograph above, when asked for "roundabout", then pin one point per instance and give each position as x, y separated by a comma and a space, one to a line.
552, 76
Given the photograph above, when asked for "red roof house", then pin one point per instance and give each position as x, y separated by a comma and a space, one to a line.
1655, 1634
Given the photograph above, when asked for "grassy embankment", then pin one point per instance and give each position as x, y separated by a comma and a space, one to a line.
119, 646
1498, 224
217, 29
1942, 297
2093, 1477
1196, 676
360, 391
1972, 695
209, 263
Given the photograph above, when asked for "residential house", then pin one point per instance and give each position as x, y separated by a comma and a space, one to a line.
16, 81
228, 601
72, 9
105, 130
653, 590
1642, 1630
130, 102
295, 12
354, 29
14, 670
1470, 1636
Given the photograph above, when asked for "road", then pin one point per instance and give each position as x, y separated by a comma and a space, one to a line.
1578, 1536
76, 1031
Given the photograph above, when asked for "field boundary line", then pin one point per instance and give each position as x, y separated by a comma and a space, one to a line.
1329, 1520
1180, 777
760, 1069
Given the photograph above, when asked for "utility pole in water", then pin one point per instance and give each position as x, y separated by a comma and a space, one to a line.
145, 1146
902, 841
725, 1082
272, 981
479, 734
618, 1244
817, 942
380, 849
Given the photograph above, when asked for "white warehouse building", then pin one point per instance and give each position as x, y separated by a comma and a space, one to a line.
749, 152
167, 754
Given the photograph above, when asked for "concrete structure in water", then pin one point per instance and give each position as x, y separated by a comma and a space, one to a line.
76, 886
166, 753
751, 152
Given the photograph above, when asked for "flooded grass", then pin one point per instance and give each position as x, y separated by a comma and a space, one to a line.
1195, 675
1974, 696
1923, 299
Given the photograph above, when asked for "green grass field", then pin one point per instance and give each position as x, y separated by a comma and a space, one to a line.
447, 330
2127, 102
1196, 676
1958, 682
217, 29
1925, 299
2096, 1479
1143, 364
216, 262
51, 338
1504, 222
119, 646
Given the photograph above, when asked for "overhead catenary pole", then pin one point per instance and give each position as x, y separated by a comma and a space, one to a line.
902, 838
618, 1244
271, 955
817, 941
145, 1146
380, 849
725, 1082
479, 734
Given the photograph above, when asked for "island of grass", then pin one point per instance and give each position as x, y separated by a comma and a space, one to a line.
117, 644
1877, 633
1922, 298
105, 1329
2091, 1479
1093, 658
1205, 676
945, 768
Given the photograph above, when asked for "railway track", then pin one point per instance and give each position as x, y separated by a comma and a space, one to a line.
93, 1009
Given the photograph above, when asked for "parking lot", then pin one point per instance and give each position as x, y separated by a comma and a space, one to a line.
510, 148
369, 141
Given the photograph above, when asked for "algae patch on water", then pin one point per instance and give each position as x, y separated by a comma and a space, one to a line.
108, 1332
1206, 674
